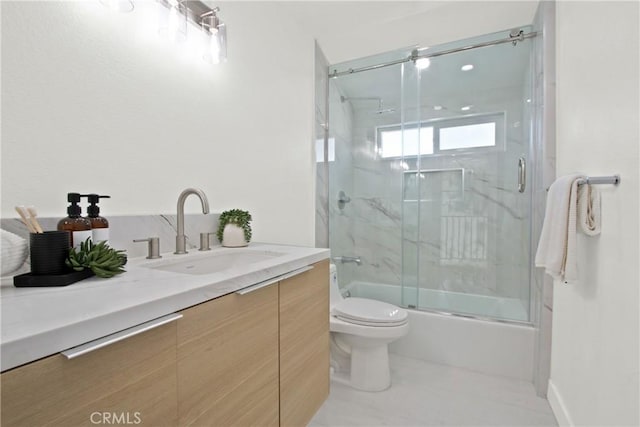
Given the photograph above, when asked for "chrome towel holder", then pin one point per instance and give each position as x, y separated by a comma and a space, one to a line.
613, 179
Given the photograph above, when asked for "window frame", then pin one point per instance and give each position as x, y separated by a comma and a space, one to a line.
499, 118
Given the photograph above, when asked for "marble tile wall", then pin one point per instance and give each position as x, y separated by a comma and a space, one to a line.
341, 173
321, 135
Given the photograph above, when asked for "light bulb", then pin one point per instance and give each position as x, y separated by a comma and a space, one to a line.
172, 22
123, 6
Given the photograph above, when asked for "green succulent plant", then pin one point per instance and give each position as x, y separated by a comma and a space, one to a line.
238, 217
103, 260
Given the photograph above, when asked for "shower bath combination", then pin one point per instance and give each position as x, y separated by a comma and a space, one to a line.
442, 193
433, 241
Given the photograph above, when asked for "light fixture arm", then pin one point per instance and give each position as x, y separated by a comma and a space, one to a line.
209, 20
206, 18
195, 11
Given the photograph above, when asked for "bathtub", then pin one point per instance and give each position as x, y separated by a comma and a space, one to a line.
486, 346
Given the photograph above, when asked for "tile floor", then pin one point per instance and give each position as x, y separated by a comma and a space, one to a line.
428, 394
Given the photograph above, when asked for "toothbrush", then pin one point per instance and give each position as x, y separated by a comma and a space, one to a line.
25, 218
34, 221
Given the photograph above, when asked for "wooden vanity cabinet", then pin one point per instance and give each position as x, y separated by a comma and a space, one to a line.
304, 345
258, 357
129, 382
228, 361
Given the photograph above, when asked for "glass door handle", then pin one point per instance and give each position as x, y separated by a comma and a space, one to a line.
522, 174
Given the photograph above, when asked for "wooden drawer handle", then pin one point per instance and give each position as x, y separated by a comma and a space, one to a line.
119, 336
273, 280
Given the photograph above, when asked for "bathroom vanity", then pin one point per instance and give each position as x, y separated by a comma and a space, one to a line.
242, 345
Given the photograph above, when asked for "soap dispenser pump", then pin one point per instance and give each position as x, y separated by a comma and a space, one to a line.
99, 225
78, 227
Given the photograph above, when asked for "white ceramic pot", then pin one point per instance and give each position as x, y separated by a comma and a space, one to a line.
233, 236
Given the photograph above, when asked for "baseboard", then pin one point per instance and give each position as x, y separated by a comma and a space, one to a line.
557, 406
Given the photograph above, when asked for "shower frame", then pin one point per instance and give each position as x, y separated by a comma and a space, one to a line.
514, 38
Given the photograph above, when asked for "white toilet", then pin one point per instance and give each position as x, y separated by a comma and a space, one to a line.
361, 330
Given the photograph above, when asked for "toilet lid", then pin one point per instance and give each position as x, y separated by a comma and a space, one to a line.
369, 312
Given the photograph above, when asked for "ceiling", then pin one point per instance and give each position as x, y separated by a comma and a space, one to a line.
354, 29
323, 18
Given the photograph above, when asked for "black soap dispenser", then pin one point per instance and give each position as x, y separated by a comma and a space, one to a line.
99, 225
78, 227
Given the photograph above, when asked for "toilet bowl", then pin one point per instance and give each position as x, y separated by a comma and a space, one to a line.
361, 330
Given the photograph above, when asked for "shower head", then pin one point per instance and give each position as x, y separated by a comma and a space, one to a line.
380, 110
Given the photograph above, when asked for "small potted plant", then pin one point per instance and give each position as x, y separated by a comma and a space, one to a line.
234, 229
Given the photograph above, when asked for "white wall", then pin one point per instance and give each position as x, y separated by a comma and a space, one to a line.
94, 101
596, 326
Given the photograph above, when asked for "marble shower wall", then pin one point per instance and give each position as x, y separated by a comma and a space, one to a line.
321, 134
341, 173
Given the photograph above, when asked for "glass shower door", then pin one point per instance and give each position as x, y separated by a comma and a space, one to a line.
427, 208
365, 231
466, 207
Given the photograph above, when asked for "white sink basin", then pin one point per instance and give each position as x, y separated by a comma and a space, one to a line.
214, 262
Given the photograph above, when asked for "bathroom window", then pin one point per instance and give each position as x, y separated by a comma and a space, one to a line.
483, 132
416, 140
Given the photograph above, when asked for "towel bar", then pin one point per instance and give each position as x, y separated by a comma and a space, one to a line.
614, 179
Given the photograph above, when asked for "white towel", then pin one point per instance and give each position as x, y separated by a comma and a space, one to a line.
557, 245
14, 251
589, 210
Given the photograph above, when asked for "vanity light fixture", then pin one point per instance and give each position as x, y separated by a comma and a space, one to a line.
213, 31
215, 37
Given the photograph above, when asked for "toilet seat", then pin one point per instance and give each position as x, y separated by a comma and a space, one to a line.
368, 312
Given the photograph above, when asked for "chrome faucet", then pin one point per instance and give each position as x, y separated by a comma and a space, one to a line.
181, 239
345, 259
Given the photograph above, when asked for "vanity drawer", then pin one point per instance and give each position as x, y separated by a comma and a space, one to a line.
131, 381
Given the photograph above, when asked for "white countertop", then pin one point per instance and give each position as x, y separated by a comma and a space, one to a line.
38, 322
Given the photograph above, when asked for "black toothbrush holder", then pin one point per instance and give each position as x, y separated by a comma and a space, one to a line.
48, 251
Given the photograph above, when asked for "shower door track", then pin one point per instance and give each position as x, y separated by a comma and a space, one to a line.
415, 55
471, 316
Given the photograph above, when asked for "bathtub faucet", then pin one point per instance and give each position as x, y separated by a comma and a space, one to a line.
346, 259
